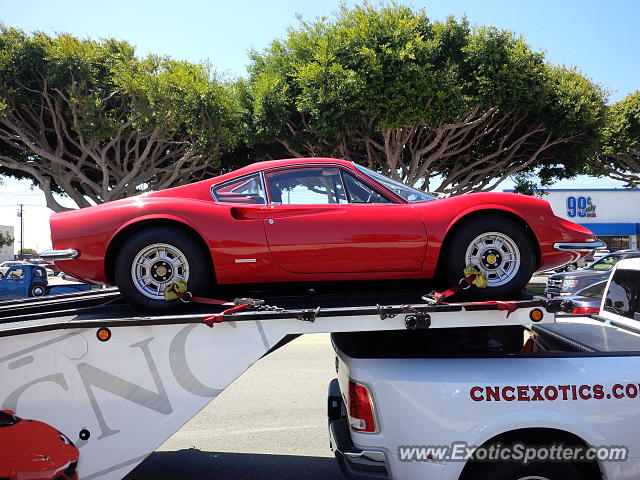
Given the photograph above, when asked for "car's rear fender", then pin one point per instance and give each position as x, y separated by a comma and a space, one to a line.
148, 221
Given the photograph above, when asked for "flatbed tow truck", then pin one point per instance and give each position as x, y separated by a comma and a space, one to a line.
119, 384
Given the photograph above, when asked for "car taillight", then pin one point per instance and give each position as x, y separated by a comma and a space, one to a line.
585, 310
361, 416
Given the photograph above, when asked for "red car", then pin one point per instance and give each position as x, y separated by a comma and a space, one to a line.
313, 219
32, 450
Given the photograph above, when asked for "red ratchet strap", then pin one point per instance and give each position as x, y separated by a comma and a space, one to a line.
210, 320
509, 307
440, 297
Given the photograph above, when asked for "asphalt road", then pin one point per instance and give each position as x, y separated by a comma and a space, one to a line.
269, 424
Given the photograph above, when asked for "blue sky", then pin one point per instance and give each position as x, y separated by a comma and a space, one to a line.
600, 37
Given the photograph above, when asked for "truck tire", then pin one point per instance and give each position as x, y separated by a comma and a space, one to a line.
518, 471
38, 291
499, 246
152, 259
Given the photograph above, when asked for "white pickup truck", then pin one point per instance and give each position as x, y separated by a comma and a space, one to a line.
555, 401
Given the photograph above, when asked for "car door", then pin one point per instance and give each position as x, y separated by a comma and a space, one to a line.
323, 219
13, 285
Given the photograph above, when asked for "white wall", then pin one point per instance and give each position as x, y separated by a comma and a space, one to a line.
6, 253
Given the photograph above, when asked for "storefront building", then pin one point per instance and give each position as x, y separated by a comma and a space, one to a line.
613, 214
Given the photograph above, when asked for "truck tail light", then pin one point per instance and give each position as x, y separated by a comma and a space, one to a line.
361, 417
585, 310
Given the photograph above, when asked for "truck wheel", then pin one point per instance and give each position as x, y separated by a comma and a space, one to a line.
499, 247
530, 471
152, 259
38, 291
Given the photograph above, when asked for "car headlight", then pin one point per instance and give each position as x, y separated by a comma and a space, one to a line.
569, 283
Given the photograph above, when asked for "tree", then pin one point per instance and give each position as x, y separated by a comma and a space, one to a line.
620, 156
6, 240
91, 120
27, 251
439, 105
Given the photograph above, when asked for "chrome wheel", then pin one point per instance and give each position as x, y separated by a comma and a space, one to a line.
38, 291
156, 266
497, 255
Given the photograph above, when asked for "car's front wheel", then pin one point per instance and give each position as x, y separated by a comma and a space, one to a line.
499, 247
153, 259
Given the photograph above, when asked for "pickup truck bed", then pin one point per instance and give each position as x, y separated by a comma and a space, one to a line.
426, 393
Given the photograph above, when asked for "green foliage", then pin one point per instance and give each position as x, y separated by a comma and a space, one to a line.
621, 135
27, 251
77, 102
619, 157
6, 240
372, 70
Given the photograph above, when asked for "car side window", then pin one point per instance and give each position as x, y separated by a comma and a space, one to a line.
16, 274
622, 295
247, 190
306, 186
359, 192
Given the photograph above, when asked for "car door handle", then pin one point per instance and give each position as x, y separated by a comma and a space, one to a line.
247, 213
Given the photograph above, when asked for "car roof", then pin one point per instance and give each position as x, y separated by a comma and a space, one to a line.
267, 164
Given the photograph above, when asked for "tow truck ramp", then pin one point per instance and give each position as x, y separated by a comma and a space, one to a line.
120, 386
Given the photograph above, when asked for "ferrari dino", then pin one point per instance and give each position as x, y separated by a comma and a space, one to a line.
313, 219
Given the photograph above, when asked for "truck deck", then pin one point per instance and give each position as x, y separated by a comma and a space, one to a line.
119, 383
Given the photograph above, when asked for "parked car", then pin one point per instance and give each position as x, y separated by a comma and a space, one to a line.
309, 220
4, 266
600, 253
587, 300
568, 283
24, 280
580, 263
33, 450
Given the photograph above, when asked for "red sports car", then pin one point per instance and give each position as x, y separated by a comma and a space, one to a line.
32, 450
313, 219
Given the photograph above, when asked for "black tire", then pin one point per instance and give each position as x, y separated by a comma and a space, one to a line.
517, 471
453, 260
38, 291
199, 266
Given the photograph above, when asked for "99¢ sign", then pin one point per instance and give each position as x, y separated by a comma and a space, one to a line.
580, 207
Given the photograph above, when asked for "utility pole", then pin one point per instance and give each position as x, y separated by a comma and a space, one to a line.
20, 214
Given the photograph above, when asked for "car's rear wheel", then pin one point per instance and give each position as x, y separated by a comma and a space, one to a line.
499, 247
38, 291
153, 259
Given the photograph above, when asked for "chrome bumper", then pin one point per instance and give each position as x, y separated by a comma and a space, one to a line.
578, 247
68, 254
354, 463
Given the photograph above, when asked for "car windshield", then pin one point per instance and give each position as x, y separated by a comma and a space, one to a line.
605, 263
407, 193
